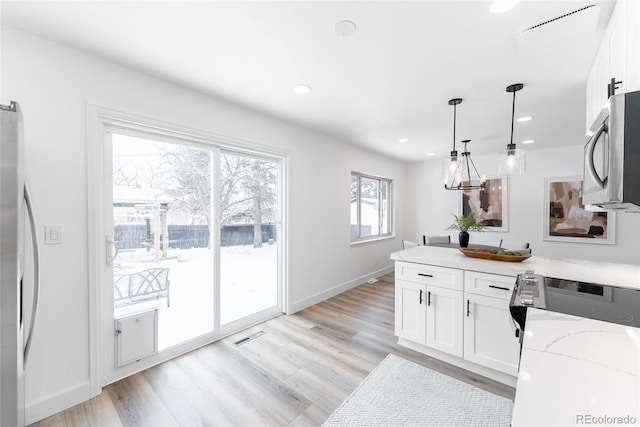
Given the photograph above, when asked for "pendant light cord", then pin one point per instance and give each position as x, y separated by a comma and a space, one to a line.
454, 126
513, 114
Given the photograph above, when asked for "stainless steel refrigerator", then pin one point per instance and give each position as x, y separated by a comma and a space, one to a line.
19, 288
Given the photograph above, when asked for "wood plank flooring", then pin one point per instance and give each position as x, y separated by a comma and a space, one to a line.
296, 374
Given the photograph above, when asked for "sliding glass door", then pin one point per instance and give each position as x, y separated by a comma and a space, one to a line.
249, 235
196, 239
162, 217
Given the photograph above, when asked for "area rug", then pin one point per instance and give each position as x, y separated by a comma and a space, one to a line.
402, 393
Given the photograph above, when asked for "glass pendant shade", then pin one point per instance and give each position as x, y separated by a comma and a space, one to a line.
461, 173
450, 166
512, 161
456, 168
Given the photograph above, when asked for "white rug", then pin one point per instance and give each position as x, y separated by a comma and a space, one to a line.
402, 393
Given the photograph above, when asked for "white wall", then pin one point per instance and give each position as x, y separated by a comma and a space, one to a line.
54, 85
426, 197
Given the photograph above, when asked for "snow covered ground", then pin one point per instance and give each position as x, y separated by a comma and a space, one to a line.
248, 284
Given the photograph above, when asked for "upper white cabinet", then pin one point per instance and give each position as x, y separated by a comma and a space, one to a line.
618, 58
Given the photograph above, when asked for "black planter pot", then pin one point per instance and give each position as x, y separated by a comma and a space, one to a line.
463, 238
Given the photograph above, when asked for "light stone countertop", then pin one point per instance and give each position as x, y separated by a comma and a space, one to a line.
577, 371
605, 273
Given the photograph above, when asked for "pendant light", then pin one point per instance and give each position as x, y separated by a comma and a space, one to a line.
512, 162
456, 170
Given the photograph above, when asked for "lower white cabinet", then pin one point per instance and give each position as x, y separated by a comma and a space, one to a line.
489, 334
410, 312
444, 320
460, 313
429, 306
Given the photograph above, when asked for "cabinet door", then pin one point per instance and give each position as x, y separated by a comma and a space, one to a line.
410, 311
633, 46
489, 334
616, 39
444, 320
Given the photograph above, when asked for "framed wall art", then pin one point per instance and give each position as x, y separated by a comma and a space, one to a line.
567, 220
488, 205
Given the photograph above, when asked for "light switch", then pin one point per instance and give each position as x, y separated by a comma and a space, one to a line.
52, 234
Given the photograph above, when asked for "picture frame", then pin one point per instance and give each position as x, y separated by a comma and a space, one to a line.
489, 205
565, 218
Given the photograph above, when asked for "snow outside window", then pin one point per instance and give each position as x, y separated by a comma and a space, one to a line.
370, 207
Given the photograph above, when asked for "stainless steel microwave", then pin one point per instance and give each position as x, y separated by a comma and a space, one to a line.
611, 177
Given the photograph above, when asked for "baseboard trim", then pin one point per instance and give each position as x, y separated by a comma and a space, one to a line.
336, 290
500, 377
57, 402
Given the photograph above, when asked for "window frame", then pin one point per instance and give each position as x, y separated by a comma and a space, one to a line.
381, 212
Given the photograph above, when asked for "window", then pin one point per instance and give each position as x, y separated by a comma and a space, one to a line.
370, 207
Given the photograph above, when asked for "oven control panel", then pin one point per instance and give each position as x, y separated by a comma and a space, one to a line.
528, 291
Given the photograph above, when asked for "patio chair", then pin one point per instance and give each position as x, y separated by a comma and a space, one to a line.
141, 286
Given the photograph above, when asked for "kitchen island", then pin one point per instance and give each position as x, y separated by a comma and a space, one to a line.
572, 370
577, 371
605, 273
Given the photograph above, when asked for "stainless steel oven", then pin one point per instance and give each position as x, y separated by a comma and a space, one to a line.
601, 302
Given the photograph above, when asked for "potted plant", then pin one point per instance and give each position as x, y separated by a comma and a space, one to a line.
465, 223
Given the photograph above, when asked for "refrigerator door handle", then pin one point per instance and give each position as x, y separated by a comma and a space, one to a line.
36, 271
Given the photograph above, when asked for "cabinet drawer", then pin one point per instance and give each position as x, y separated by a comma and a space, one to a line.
450, 278
492, 285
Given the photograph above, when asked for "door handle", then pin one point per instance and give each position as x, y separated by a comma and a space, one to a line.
421, 296
111, 243
36, 271
429, 298
468, 310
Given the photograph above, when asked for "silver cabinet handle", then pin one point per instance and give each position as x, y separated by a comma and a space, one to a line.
36, 271
111, 243
499, 287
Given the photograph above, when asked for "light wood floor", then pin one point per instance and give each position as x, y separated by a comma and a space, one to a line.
296, 373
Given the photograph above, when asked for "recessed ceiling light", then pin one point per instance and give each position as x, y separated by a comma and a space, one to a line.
403, 140
431, 154
525, 118
302, 89
345, 28
501, 6
528, 141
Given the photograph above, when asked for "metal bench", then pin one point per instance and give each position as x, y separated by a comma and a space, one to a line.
141, 286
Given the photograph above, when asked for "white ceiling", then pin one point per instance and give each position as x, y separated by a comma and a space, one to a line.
391, 79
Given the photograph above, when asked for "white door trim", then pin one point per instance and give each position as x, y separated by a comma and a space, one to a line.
99, 122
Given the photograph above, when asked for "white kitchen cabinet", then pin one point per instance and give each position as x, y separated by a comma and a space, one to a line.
489, 334
410, 312
429, 306
618, 58
444, 320
489, 331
